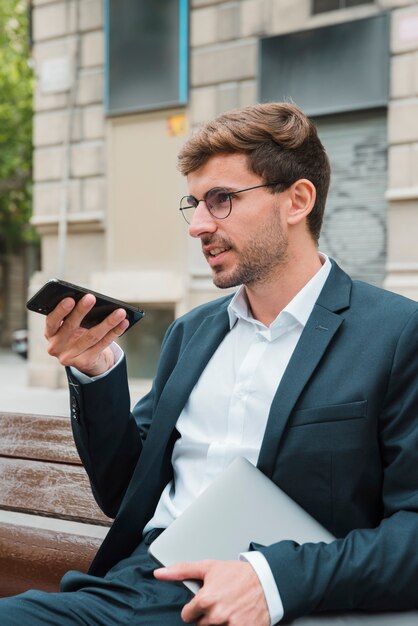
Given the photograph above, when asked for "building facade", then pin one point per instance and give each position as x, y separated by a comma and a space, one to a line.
106, 188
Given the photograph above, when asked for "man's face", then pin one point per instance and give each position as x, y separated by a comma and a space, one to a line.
250, 245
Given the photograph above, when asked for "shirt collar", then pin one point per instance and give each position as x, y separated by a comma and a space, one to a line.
297, 310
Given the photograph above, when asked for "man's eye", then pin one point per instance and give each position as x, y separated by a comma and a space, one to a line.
191, 201
219, 197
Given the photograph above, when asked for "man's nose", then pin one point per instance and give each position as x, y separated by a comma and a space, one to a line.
202, 221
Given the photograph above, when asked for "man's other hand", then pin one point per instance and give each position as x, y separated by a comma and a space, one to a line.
231, 593
86, 349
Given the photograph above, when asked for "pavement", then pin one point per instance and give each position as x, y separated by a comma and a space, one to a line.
17, 396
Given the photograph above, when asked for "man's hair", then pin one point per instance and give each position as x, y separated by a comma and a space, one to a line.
280, 142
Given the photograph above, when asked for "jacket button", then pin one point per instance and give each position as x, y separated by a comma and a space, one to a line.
75, 410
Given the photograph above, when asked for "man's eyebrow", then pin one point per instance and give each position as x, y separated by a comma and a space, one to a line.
216, 188
221, 188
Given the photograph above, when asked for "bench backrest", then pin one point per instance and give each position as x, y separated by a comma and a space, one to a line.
49, 521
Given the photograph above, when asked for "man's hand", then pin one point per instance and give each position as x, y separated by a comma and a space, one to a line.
231, 594
86, 349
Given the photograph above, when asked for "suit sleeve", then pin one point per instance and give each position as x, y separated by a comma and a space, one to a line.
109, 438
375, 568
106, 435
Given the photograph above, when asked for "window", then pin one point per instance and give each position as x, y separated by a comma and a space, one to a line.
331, 69
146, 55
322, 6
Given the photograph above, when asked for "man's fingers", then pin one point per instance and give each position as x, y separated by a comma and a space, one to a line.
72, 334
83, 306
82, 347
87, 349
183, 571
71, 312
192, 611
55, 318
100, 337
186, 571
231, 593
113, 322
120, 328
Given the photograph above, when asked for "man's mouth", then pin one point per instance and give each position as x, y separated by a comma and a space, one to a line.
217, 251
214, 251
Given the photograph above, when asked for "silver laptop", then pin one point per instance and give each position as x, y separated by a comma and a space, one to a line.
242, 506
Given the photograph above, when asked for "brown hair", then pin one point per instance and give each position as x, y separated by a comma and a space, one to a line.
280, 142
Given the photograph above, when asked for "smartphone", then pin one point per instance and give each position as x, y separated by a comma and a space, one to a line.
47, 298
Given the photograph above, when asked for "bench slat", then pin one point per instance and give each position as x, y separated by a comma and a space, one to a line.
36, 558
44, 488
42, 437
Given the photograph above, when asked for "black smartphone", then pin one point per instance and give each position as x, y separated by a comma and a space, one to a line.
47, 298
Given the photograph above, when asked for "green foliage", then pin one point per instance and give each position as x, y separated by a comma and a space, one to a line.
16, 90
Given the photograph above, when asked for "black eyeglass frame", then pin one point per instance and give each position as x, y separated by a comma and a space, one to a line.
228, 194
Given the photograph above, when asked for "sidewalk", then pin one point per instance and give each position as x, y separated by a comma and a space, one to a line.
16, 395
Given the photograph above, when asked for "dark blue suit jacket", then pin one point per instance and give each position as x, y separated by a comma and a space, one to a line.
341, 439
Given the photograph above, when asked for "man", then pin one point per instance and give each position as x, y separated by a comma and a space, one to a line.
310, 375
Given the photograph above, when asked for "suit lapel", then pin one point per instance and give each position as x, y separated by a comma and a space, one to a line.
321, 327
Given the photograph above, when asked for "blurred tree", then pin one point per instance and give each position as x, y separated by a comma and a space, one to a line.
16, 88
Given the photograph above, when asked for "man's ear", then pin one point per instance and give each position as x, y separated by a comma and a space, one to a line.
303, 195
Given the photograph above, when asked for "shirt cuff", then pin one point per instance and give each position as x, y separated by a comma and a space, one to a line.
261, 567
83, 378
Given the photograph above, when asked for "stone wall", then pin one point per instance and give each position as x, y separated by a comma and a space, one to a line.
69, 125
402, 266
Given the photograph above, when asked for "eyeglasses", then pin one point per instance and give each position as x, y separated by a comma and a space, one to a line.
218, 201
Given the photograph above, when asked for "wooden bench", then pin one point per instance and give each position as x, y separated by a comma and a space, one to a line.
49, 521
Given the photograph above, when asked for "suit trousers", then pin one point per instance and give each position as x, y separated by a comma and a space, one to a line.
128, 594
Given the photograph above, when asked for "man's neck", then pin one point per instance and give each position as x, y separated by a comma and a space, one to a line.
269, 298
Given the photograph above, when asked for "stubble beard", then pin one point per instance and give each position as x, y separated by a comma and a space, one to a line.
259, 261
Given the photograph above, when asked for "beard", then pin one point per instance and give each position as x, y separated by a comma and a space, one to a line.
259, 259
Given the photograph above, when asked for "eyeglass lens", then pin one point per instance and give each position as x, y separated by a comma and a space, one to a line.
218, 202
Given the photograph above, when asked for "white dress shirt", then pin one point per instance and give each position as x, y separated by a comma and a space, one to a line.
226, 413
